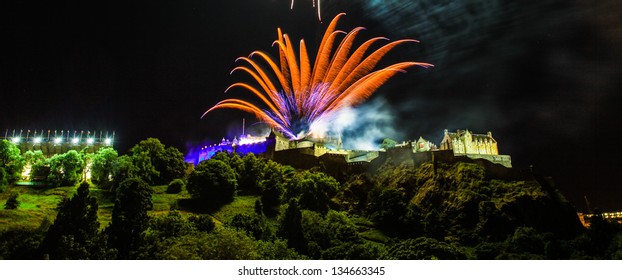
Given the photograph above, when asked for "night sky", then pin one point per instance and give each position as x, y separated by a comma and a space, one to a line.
544, 76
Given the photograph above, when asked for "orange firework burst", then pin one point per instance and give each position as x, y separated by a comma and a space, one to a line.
295, 95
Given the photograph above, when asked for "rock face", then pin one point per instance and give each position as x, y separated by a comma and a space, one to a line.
459, 202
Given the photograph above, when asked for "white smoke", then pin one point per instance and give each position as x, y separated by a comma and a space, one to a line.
361, 128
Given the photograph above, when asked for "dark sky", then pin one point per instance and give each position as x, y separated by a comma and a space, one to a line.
544, 76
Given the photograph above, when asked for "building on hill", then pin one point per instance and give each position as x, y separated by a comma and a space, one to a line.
308, 153
466, 143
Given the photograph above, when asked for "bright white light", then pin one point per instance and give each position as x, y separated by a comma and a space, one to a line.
16, 139
108, 141
90, 141
37, 140
75, 140
57, 140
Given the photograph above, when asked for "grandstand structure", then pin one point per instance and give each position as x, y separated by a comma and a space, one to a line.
52, 142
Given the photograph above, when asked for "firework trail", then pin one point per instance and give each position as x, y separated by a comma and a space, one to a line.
315, 3
295, 96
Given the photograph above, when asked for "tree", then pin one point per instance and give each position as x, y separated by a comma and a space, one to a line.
143, 168
129, 217
424, 248
102, 166
32, 157
290, 227
251, 173
272, 187
75, 232
174, 166
12, 202
316, 191
11, 161
253, 224
164, 164
213, 181
66, 169
122, 169
39, 165
175, 186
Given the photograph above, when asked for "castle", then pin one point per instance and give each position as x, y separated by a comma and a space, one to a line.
462, 145
466, 143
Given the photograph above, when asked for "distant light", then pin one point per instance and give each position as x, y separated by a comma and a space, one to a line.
108, 141
90, 141
57, 140
37, 140
16, 139
75, 140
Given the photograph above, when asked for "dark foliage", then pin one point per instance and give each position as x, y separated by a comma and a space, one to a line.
213, 181
424, 248
75, 232
290, 227
175, 186
129, 217
12, 202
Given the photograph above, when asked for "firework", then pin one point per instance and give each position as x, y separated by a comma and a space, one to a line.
315, 3
295, 95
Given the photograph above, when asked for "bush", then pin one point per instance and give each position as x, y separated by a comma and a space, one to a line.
213, 181
3, 181
12, 202
202, 222
175, 186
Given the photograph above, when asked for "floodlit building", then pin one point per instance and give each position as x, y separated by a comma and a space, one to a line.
466, 143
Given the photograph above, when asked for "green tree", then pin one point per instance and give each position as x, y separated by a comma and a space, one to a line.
251, 173
39, 165
66, 169
122, 169
142, 167
290, 227
253, 224
424, 248
75, 232
213, 181
32, 157
272, 187
316, 191
175, 186
12, 202
164, 164
129, 217
173, 165
102, 165
11, 161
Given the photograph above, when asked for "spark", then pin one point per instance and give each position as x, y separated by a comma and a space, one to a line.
297, 96
316, 3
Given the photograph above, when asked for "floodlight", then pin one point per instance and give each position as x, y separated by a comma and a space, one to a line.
37, 140
57, 140
108, 141
90, 141
16, 139
75, 140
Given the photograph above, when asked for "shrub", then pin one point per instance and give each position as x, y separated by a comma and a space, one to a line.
213, 181
202, 222
11, 202
175, 186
